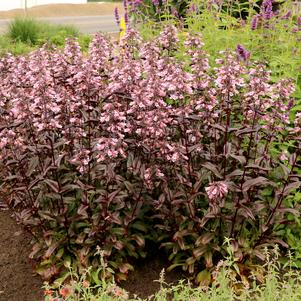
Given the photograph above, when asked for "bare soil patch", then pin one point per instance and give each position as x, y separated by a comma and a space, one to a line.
17, 281
63, 10
144, 280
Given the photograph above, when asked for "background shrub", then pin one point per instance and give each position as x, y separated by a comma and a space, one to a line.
159, 10
16, 48
24, 30
34, 33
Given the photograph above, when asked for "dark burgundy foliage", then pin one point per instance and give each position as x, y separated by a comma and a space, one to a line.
101, 152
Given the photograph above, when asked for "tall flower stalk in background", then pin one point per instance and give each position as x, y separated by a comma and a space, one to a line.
122, 22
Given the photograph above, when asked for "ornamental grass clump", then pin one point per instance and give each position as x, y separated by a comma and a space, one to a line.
102, 152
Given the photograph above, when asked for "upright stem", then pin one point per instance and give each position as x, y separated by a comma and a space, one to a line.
244, 172
228, 112
281, 194
60, 207
190, 169
89, 143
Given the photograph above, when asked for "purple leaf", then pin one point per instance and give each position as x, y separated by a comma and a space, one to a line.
259, 181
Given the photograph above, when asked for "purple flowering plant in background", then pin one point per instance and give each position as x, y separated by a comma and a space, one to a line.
158, 9
117, 16
267, 9
242, 53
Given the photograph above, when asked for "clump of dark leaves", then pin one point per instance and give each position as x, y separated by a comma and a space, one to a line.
100, 152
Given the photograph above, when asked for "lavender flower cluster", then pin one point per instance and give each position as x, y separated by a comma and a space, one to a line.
266, 15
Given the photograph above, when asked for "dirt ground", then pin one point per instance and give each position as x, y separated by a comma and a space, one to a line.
19, 283
63, 10
143, 281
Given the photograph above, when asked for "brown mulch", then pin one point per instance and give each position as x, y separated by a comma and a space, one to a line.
63, 10
17, 281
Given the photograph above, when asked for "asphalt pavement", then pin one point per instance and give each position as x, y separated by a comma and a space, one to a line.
85, 24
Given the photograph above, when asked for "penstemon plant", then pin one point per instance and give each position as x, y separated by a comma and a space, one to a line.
100, 153
55, 178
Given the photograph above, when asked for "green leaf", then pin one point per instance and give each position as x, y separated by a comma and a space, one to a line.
203, 278
139, 226
204, 239
67, 261
59, 281
53, 185
60, 253
299, 80
190, 260
198, 252
262, 181
51, 249
121, 276
139, 240
124, 268
95, 276
173, 266
118, 231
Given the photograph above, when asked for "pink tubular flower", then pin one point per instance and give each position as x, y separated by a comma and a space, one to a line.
217, 190
283, 157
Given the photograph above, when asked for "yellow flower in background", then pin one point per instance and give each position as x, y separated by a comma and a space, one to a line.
122, 27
